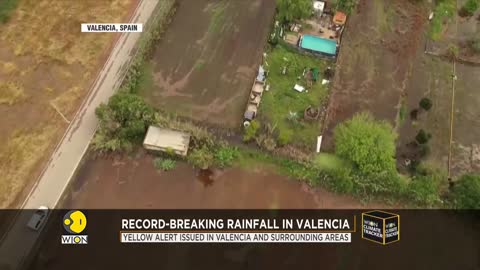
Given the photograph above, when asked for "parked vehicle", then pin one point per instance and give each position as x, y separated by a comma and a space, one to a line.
255, 97
38, 219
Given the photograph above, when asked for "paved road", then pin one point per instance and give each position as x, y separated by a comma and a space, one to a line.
18, 242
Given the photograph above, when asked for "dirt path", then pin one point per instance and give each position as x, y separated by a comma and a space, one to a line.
48, 190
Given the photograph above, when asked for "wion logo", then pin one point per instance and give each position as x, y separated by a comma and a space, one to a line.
381, 227
74, 223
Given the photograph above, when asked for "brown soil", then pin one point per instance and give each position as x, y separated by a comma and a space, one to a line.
135, 183
374, 65
207, 60
49, 62
432, 78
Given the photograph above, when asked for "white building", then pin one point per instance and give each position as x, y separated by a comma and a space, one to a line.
318, 7
160, 139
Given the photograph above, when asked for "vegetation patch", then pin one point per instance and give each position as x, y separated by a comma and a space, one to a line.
6, 9
217, 21
346, 6
164, 164
466, 193
293, 10
11, 93
123, 122
444, 11
284, 107
330, 162
18, 158
225, 156
469, 8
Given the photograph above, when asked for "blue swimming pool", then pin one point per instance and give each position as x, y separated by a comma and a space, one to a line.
318, 44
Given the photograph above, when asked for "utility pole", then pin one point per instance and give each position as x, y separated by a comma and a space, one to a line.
452, 115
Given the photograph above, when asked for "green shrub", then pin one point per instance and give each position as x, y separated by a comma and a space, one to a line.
292, 10
285, 136
466, 193
201, 158
164, 164
470, 7
346, 6
225, 156
369, 144
426, 104
340, 180
251, 131
422, 137
425, 190
123, 122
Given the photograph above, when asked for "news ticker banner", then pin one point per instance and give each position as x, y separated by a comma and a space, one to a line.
137, 227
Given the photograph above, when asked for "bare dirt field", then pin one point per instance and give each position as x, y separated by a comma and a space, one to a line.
205, 65
134, 183
432, 78
374, 65
46, 65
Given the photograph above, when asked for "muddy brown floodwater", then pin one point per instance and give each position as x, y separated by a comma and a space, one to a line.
133, 182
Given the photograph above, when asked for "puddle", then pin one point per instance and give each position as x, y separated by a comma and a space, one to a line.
205, 177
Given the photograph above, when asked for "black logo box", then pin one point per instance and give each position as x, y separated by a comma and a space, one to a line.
381, 227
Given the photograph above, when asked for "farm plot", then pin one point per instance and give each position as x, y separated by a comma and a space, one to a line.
375, 60
46, 68
204, 67
432, 79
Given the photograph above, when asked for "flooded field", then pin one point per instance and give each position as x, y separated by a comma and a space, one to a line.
135, 183
123, 182
205, 65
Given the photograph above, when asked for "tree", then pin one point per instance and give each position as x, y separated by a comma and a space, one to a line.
123, 122
470, 7
466, 193
291, 10
369, 144
346, 6
422, 137
426, 104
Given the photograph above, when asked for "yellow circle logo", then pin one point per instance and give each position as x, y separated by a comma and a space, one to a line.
75, 222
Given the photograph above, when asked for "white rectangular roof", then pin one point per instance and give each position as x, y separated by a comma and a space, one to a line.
319, 5
163, 139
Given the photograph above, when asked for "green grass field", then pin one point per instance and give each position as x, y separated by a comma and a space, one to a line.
284, 107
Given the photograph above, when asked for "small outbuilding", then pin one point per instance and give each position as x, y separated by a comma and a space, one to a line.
340, 18
318, 7
161, 139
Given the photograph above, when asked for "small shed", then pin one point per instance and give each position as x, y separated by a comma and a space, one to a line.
161, 139
340, 18
318, 7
